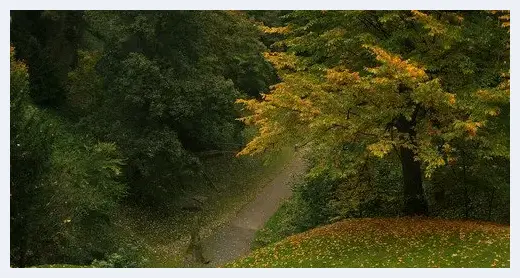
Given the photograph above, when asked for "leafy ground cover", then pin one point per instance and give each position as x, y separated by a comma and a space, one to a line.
389, 242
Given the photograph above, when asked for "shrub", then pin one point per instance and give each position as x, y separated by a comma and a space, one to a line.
124, 258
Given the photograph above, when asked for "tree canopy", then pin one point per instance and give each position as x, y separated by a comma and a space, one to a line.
420, 84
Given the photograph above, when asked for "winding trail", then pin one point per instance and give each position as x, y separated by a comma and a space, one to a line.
233, 239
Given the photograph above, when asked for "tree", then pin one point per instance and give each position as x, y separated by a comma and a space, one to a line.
30, 152
342, 84
63, 186
169, 82
48, 42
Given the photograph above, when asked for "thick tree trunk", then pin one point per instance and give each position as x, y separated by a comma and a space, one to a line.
490, 206
414, 202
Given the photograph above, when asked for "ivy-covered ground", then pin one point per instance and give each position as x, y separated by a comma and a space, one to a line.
389, 242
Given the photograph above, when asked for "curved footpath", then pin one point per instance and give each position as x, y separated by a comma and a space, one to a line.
233, 240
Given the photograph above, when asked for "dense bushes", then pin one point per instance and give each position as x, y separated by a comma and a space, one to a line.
161, 85
63, 185
480, 193
30, 151
127, 256
169, 82
68, 210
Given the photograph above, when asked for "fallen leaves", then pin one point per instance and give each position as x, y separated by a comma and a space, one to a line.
399, 242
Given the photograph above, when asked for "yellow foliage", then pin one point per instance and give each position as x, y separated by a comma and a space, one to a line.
451, 99
471, 127
400, 66
342, 77
430, 23
15, 64
493, 112
281, 60
505, 18
275, 30
380, 149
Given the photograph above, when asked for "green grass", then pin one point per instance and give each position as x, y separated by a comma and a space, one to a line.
164, 237
389, 242
274, 230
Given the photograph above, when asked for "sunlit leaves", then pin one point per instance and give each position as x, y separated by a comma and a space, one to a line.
19, 83
380, 149
435, 27
274, 30
396, 67
404, 68
504, 17
339, 105
342, 77
281, 60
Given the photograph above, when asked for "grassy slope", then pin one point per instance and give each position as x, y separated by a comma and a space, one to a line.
392, 242
239, 180
274, 230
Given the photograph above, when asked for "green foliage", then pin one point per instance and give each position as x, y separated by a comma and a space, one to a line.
277, 227
326, 195
74, 201
84, 85
30, 152
48, 42
313, 196
471, 187
170, 79
79, 193
63, 186
156, 88
129, 257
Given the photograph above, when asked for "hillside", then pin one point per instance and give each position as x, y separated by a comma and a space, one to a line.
400, 242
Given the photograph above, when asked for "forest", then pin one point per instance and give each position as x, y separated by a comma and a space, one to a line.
344, 127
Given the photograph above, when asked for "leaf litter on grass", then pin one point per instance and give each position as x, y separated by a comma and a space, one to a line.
389, 242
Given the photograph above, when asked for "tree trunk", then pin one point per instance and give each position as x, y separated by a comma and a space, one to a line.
490, 206
414, 202
464, 183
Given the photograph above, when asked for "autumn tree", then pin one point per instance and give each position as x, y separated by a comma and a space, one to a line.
371, 83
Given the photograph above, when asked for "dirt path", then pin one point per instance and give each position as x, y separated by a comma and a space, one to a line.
233, 240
